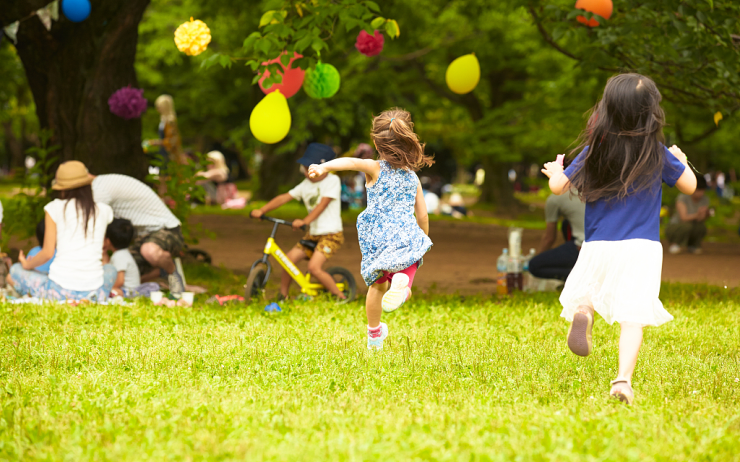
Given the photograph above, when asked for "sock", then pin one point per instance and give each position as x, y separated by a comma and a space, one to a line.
374, 332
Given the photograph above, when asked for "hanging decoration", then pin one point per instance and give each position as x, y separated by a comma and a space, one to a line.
463, 74
369, 45
192, 37
46, 15
11, 31
270, 119
127, 102
321, 82
717, 118
601, 7
292, 77
76, 10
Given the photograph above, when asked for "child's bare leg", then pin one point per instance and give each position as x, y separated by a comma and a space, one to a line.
295, 255
316, 268
630, 341
373, 304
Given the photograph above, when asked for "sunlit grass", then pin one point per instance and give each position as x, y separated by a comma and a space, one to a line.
459, 379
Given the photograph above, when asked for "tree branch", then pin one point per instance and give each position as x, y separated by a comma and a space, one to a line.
547, 37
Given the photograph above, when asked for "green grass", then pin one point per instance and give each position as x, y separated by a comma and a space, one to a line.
459, 379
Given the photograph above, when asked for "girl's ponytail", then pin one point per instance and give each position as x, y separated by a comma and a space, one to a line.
397, 143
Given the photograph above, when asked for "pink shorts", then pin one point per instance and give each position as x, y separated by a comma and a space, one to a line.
410, 272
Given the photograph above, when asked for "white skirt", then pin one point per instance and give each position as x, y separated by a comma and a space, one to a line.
620, 279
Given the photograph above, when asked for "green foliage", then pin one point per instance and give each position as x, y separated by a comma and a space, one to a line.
691, 48
180, 184
460, 378
304, 28
26, 209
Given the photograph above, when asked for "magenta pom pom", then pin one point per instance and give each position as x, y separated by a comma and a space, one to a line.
127, 103
369, 45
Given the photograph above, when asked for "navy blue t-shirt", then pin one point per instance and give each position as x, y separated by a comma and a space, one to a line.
637, 216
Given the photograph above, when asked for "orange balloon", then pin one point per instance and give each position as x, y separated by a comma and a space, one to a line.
601, 7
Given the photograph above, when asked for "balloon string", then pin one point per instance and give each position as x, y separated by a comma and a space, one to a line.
692, 166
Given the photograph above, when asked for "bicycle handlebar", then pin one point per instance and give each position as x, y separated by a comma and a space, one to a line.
280, 222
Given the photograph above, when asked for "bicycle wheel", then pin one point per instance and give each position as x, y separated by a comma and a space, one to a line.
256, 282
342, 275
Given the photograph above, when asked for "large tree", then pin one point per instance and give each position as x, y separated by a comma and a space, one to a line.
72, 70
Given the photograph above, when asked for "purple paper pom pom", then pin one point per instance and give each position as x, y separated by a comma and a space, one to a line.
127, 102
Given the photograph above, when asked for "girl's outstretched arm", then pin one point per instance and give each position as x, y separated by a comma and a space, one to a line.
687, 181
559, 183
367, 166
420, 210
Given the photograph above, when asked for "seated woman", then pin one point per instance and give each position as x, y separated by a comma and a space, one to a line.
217, 189
75, 230
687, 227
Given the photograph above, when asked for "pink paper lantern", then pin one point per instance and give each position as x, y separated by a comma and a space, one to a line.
127, 102
369, 45
292, 77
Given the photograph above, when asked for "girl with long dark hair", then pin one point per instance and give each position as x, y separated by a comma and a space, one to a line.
75, 230
618, 171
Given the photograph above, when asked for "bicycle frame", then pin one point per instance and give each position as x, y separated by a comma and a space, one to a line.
303, 281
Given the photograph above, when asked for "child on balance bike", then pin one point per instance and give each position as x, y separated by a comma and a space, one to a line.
321, 196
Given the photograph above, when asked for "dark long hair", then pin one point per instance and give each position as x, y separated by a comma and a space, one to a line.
83, 202
625, 139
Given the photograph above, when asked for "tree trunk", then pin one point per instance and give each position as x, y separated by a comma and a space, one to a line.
496, 188
276, 170
73, 69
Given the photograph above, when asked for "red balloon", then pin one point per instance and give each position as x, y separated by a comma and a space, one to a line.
292, 77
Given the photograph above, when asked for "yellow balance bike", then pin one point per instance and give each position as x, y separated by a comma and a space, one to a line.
260, 271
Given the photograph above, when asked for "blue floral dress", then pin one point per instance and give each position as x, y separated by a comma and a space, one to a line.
390, 238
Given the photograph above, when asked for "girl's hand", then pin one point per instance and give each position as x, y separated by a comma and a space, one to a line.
315, 171
22, 260
676, 151
552, 168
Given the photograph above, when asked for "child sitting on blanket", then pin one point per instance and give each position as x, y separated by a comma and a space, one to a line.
118, 237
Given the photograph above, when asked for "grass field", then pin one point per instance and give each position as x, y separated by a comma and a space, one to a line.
459, 379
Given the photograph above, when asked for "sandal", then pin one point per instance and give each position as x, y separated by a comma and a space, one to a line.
579, 333
623, 393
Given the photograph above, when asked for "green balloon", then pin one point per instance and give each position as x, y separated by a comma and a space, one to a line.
321, 82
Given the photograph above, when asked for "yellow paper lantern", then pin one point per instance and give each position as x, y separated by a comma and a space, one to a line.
270, 120
463, 74
192, 37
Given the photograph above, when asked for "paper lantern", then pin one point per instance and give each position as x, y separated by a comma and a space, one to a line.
369, 45
292, 77
76, 10
127, 103
192, 37
270, 120
601, 7
321, 82
463, 74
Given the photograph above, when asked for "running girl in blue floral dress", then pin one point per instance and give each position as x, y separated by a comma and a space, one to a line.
392, 240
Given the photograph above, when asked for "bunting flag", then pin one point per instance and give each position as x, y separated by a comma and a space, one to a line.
46, 15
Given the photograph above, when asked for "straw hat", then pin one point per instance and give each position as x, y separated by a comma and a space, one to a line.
71, 174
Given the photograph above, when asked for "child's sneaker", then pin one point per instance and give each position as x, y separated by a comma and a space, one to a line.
397, 294
376, 336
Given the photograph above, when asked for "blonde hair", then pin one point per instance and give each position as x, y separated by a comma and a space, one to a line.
166, 107
218, 160
396, 142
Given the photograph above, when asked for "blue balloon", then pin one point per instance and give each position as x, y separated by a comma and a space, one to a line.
76, 10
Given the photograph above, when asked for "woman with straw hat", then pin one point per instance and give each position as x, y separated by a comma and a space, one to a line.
75, 229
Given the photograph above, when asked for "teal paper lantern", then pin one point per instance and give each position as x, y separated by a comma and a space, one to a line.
321, 82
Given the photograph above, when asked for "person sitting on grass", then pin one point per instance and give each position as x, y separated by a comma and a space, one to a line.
118, 237
75, 230
321, 195
687, 227
40, 232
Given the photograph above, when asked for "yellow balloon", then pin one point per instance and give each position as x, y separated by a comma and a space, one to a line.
270, 120
463, 74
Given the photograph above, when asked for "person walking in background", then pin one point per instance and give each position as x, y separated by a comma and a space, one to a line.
687, 227
169, 142
75, 230
557, 263
158, 235
618, 174
392, 241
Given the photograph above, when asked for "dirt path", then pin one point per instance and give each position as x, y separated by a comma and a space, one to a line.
463, 257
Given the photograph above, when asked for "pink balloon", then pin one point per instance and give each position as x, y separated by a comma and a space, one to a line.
292, 77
